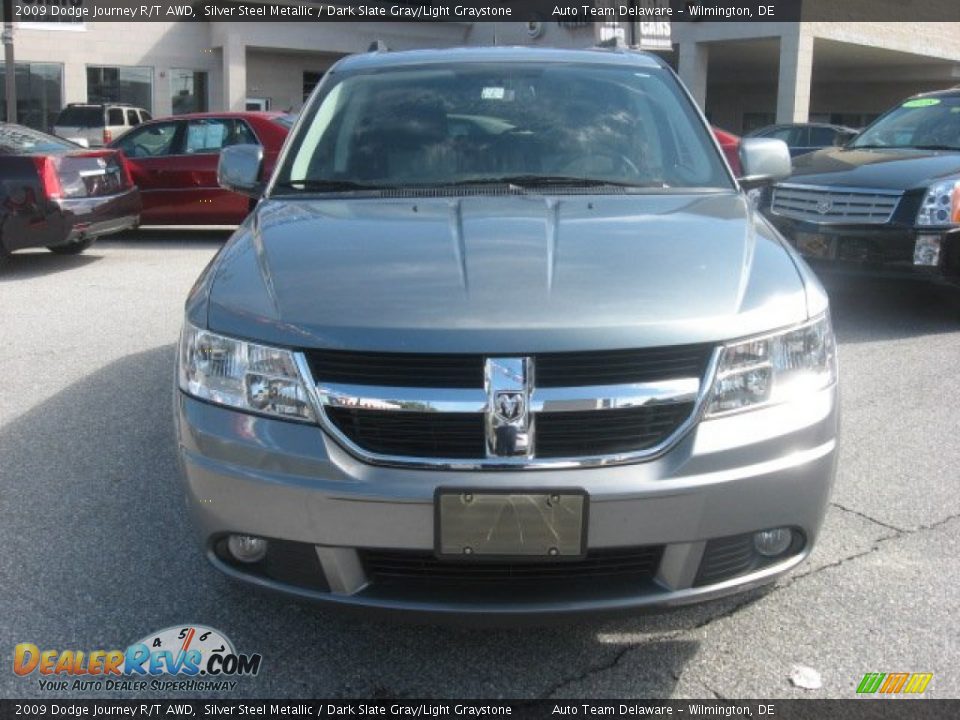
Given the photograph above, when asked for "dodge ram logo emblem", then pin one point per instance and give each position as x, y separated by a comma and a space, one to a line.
507, 384
824, 206
509, 405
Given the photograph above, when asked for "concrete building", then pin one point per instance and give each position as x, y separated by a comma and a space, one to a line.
754, 74
743, 74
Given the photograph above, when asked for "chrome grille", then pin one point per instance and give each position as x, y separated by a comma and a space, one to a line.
834, 205
468, 411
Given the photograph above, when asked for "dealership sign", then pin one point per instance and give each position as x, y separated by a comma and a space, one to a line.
650, 21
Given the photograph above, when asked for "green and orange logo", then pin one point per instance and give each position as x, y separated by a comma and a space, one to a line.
894, 683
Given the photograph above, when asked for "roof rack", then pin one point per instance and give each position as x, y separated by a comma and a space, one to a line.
378, 46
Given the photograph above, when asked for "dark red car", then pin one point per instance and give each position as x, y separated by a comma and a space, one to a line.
174, 163
58, 195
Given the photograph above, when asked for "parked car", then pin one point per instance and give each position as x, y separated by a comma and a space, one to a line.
174, 163
803, 138
730, 144
555, 363
58, 195
887, 203
97, 124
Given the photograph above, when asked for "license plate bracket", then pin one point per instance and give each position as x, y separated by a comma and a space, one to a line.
510, 524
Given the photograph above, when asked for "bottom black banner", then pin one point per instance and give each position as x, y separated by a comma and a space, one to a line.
892, 709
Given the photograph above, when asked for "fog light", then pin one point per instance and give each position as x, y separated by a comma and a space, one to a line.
771, 543
247, 548
927, 250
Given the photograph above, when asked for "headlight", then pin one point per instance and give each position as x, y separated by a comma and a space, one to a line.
774, 368
941, 204
242, 375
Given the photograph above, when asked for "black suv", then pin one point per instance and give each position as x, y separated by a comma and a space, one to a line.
888, 202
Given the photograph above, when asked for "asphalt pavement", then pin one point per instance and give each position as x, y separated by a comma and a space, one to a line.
96, 551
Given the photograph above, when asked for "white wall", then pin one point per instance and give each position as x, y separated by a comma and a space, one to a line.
160, 45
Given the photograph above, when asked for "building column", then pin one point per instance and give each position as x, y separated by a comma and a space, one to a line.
796, 72
692, 69
234, 74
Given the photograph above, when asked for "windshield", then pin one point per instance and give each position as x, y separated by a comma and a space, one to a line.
523, 123
930, 122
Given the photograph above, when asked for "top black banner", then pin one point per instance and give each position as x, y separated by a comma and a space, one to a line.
561, 11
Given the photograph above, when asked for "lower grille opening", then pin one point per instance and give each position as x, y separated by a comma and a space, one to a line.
286, 561
729, 557
639, 564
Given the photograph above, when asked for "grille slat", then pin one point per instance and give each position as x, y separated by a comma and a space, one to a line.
466, 371
605, 432
835, 205
397, 370
449, 435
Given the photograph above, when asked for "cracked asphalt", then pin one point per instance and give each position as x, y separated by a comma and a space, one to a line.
97, 551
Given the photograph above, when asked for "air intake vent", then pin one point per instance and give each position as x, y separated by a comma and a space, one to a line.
638, 564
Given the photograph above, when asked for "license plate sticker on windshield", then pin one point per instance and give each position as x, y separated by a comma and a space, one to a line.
511, 524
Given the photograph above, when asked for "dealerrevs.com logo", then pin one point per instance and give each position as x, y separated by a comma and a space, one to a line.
182, 657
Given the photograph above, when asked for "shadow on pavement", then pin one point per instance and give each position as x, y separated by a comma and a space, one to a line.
98, 552
867, 310
26, 265
172, 238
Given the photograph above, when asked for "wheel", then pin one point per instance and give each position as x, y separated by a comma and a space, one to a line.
74, 248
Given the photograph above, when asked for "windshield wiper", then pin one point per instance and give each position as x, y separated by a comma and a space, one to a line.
309, 185
935, 147
531, 181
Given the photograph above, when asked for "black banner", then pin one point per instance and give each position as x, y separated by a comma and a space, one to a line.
562, 11
854, 709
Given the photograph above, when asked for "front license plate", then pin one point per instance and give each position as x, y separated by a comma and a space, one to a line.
511, 524
816, 245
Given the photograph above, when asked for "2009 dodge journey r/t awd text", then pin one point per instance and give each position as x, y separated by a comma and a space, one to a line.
504, 336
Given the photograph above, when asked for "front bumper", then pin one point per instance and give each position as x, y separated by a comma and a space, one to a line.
727, 478
872, 250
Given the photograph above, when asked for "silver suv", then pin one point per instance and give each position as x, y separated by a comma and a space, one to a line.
95, 125
505, 336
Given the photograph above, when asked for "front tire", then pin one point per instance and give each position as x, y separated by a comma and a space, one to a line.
74, 248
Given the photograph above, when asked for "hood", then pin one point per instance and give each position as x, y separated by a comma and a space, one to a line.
505, 274
892, 169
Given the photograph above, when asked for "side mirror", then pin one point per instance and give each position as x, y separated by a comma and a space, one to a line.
764, 160
239, 169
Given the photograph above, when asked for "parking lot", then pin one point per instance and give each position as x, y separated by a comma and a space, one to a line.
97, 550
